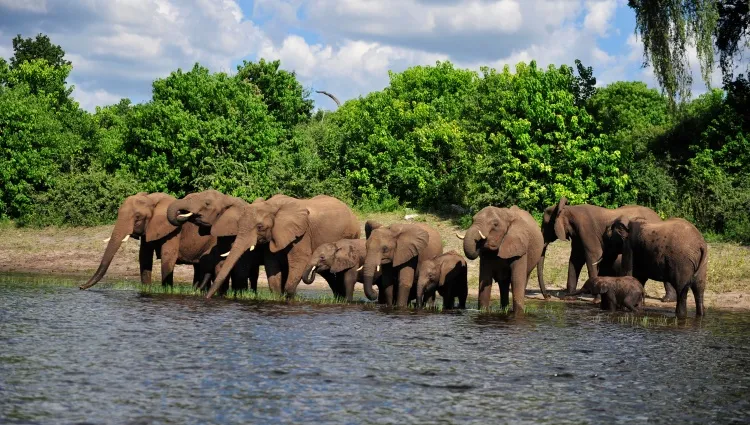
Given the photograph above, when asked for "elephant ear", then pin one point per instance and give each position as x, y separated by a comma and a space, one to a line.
290, 223
515, 241
371, 225
621, 227
561, 220
159, 226
228, 222
344, 258
411, 240
447, 267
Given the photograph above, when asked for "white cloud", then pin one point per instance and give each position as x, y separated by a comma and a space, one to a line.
34, 6
89, 100
345, 46
599, 13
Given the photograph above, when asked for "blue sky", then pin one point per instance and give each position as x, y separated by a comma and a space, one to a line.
342, 46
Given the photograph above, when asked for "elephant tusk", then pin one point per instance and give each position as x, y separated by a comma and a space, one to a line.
360, 268
597, 261
481, 235
312, 273
107, 240
377, 269
186, 215
459, 236
226, 254
125, 239
251, 248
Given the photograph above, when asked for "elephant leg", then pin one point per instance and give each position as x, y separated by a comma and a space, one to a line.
273, 271
196, 275
611, 301
519, 276
698, 295
670, 294
350, 278
485, 284
205, 281
448, 301
504, 285
240, 274
575, 265
169, 253
405, 283
253, 272
296, 269
681, 310
146, 261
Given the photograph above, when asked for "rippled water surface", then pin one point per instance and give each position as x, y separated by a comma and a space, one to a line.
114, 356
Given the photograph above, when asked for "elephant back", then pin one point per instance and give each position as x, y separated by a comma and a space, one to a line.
330, 220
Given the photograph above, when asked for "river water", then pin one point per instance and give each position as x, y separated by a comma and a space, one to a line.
115, 356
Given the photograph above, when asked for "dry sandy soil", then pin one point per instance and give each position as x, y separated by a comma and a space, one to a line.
77, 252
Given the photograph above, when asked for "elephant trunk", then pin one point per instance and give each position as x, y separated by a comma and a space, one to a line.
309, 274
173, 212
242, 243
424, 288
123, 228
471, 240
540, 272
368, 274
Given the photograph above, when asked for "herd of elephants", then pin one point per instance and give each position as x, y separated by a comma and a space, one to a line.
227, 239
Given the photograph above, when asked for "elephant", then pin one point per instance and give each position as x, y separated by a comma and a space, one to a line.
143, 216
219, 214
340, 263
585, 226
447, 274
509, 245
671, 251
397, 251
292, 229
617, 292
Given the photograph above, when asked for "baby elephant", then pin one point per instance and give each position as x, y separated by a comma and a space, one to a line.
445, 274
616, 292
340, 264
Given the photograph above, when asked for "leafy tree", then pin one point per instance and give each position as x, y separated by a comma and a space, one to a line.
287, 100
42, 80
202, 130
539, 145
584, 84
34, 147
41, 47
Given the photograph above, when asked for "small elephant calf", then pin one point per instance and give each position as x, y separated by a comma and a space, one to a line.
617, 292
446, 274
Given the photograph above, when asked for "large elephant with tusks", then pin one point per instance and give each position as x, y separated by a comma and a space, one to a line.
143, 216
509, 244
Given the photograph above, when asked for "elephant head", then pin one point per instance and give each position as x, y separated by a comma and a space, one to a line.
390, 246
278, 221
331, 257
493, 229
432, 274
594, 286
140, 215
621, 236
209, 208
556, 222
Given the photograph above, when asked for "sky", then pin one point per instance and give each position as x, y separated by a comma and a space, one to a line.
119, 47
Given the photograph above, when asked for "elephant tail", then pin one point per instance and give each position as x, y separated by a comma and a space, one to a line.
700, 272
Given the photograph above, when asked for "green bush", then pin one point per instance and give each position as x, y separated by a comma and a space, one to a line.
80, 199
